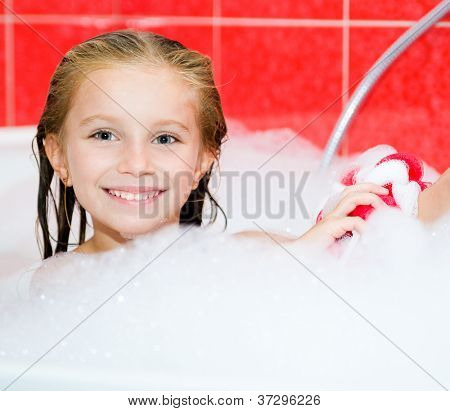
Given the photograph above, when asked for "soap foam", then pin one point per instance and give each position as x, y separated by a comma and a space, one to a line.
194, 308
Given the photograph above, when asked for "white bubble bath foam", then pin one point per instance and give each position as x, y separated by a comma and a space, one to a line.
197, 308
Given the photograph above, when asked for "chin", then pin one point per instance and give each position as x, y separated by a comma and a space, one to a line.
138, 228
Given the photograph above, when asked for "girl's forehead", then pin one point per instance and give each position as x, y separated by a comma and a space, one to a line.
135, 93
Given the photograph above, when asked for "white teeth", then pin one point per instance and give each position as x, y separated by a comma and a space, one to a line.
136, 197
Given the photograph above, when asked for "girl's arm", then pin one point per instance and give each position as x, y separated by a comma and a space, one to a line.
261, 235
434, 202
335, 224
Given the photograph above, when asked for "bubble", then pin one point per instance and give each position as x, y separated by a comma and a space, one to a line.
210, 311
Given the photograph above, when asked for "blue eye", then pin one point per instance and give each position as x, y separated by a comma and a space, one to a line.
102, 135
165, 139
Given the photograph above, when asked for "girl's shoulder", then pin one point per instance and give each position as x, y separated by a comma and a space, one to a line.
49, 266
19, 283
16, 284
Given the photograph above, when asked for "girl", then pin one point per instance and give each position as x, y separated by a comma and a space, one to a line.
132, 126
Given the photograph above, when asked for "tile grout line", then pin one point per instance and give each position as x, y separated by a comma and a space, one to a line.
9, 65
5, 78
217, 41
345, 65
81, 19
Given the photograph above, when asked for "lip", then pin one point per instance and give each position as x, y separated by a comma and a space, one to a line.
123, 201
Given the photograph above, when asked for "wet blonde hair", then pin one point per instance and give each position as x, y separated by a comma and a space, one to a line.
129, 47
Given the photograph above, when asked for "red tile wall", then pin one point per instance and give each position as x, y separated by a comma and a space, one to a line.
62, 7
410, 105
391, 10
283, 63
166, 7
330, 9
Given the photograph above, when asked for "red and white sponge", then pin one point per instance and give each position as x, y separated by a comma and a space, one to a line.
400, 173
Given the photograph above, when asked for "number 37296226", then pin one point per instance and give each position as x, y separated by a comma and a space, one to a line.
288, 399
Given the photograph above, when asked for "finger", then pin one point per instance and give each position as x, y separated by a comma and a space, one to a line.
352, 224
352, 200
338, 227
365, 187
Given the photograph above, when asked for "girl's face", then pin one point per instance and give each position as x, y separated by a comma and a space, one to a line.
133, 149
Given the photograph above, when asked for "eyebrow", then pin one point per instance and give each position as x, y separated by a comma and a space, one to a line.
169, 122
90, 119
165, 122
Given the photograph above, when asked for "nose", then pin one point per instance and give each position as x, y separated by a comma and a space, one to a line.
136, 158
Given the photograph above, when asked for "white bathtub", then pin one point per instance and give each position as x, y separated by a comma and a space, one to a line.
322, 343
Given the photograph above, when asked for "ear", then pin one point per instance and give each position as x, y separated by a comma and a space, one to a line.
204, 163
57, 158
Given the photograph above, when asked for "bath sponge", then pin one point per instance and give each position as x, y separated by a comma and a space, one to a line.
400, 173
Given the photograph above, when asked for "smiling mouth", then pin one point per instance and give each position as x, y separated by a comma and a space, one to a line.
124, 197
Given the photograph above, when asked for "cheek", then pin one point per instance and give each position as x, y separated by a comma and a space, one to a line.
181, 168
85, 167
181, 185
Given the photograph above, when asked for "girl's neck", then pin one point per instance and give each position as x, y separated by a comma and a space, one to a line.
105, 240
99, 243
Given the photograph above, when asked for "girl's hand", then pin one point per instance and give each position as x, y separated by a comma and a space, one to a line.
335, 224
